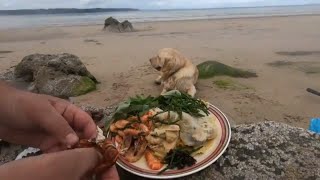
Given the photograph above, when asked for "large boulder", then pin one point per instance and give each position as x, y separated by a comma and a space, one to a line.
127, 26
114, 25
110, 22
61, 75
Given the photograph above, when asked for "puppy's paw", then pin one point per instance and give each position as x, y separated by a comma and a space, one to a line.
163, 92
157, 82
192, 91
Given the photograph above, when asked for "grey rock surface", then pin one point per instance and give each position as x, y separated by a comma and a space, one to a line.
66, 63
99, 114
60, 75
267, 150
9, 152
110, 21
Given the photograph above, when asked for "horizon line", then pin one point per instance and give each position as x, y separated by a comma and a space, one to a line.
150, 9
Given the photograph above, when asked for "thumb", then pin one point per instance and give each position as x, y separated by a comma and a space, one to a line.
74, 164
65, 165
57, 126
78, 162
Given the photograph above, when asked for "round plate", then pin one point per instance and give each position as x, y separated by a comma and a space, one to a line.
216, 149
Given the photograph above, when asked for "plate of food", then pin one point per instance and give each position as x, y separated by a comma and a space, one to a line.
169, 136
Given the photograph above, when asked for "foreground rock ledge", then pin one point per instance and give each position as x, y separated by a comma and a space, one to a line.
267, 150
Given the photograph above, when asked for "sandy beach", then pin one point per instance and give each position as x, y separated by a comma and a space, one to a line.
120, 61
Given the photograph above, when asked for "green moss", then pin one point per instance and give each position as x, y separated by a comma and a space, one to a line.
223, 84
210, 69
229, 84
85, 85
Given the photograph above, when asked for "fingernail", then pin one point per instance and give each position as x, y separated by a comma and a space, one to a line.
95, 134
71, 139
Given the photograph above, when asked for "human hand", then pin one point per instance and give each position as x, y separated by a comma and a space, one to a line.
70, 165
42, 121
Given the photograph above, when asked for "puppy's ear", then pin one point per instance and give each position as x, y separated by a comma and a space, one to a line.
168, 63
169, 67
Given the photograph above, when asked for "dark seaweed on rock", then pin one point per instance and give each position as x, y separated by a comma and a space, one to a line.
179, 158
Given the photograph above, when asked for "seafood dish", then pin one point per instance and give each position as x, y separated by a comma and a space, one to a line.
168, 131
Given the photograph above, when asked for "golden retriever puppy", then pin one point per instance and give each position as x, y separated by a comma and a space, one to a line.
176, 71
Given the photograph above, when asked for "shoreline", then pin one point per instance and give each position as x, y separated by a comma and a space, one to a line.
167, 21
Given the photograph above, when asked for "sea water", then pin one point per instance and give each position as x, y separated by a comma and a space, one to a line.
22, 21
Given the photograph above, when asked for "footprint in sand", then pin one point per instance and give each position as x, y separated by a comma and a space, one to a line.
5, 52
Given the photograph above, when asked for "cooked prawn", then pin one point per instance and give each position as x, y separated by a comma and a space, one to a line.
144, 128
132, 118
144, 118
121, 124
118, 139
121, 133
113, 128
135, 152
132, 132
141, 127
153, 162
150, 125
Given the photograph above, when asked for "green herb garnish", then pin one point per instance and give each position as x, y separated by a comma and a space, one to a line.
173, 101
181, 102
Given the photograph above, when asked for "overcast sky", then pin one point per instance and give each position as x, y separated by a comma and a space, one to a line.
144, 4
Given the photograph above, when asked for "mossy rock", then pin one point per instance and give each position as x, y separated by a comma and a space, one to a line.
84, 86
61, 85
210, 69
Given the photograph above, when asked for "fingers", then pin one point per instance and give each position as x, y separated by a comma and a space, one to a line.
41, 140
80, 121
111, 173
76, 117
75, 164
58, 127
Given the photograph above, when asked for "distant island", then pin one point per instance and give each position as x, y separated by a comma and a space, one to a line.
62, 11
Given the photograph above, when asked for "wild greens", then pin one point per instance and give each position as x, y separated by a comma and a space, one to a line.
172, 101
181, 102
